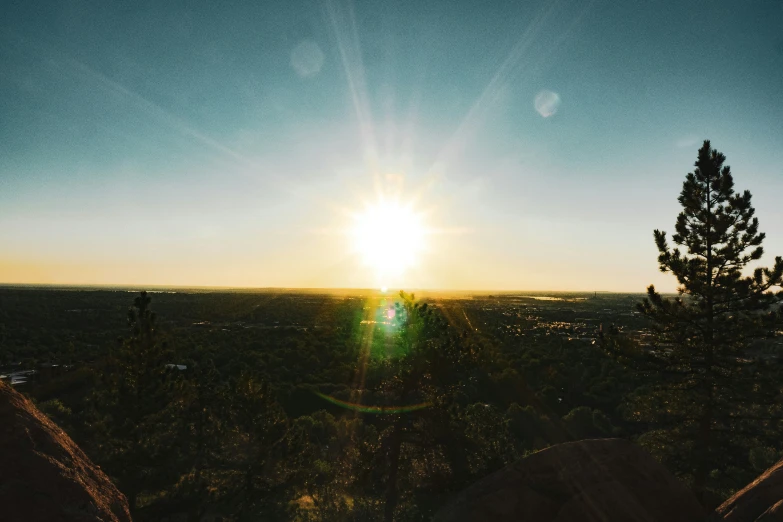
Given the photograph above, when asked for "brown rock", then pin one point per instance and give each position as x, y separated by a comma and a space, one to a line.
586, 481
773, 514
43, 473
761, 500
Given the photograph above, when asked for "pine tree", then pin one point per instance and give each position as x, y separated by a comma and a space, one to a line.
132, 402
454, 439
708, 388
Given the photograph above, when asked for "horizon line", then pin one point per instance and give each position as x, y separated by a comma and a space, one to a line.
140, 287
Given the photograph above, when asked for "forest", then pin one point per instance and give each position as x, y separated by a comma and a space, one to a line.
364, 405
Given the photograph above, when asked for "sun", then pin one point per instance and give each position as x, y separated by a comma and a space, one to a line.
390, 237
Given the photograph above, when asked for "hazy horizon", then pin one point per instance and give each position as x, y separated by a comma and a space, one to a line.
359, 145
422, 292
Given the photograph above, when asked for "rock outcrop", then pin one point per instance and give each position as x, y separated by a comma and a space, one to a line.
759, 501
43, 473
586, 481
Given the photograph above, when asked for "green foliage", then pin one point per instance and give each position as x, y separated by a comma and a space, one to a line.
703, 386
762, 458
132, 403
241, 433
58, 412
586, 423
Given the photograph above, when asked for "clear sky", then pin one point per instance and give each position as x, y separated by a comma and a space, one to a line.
235, 143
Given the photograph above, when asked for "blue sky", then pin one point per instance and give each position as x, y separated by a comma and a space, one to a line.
229, 143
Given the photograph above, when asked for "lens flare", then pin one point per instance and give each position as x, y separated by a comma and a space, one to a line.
307, 58
547, 103
363, 408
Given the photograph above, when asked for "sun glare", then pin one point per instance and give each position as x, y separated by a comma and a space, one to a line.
390, 237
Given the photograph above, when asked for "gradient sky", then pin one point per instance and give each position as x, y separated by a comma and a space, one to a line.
228, 143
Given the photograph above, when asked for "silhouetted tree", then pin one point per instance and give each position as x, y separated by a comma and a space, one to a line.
429, 452
203, 401
704, 387
255, 444
131, 402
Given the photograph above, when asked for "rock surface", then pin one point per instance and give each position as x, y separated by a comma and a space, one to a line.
43, 473
759, 501
586, 481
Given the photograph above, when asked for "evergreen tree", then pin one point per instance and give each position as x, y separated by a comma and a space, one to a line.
707, 387
203, 400
255, 451
426, 454
133, 401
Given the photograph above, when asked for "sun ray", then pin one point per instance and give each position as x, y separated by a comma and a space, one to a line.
345, 32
